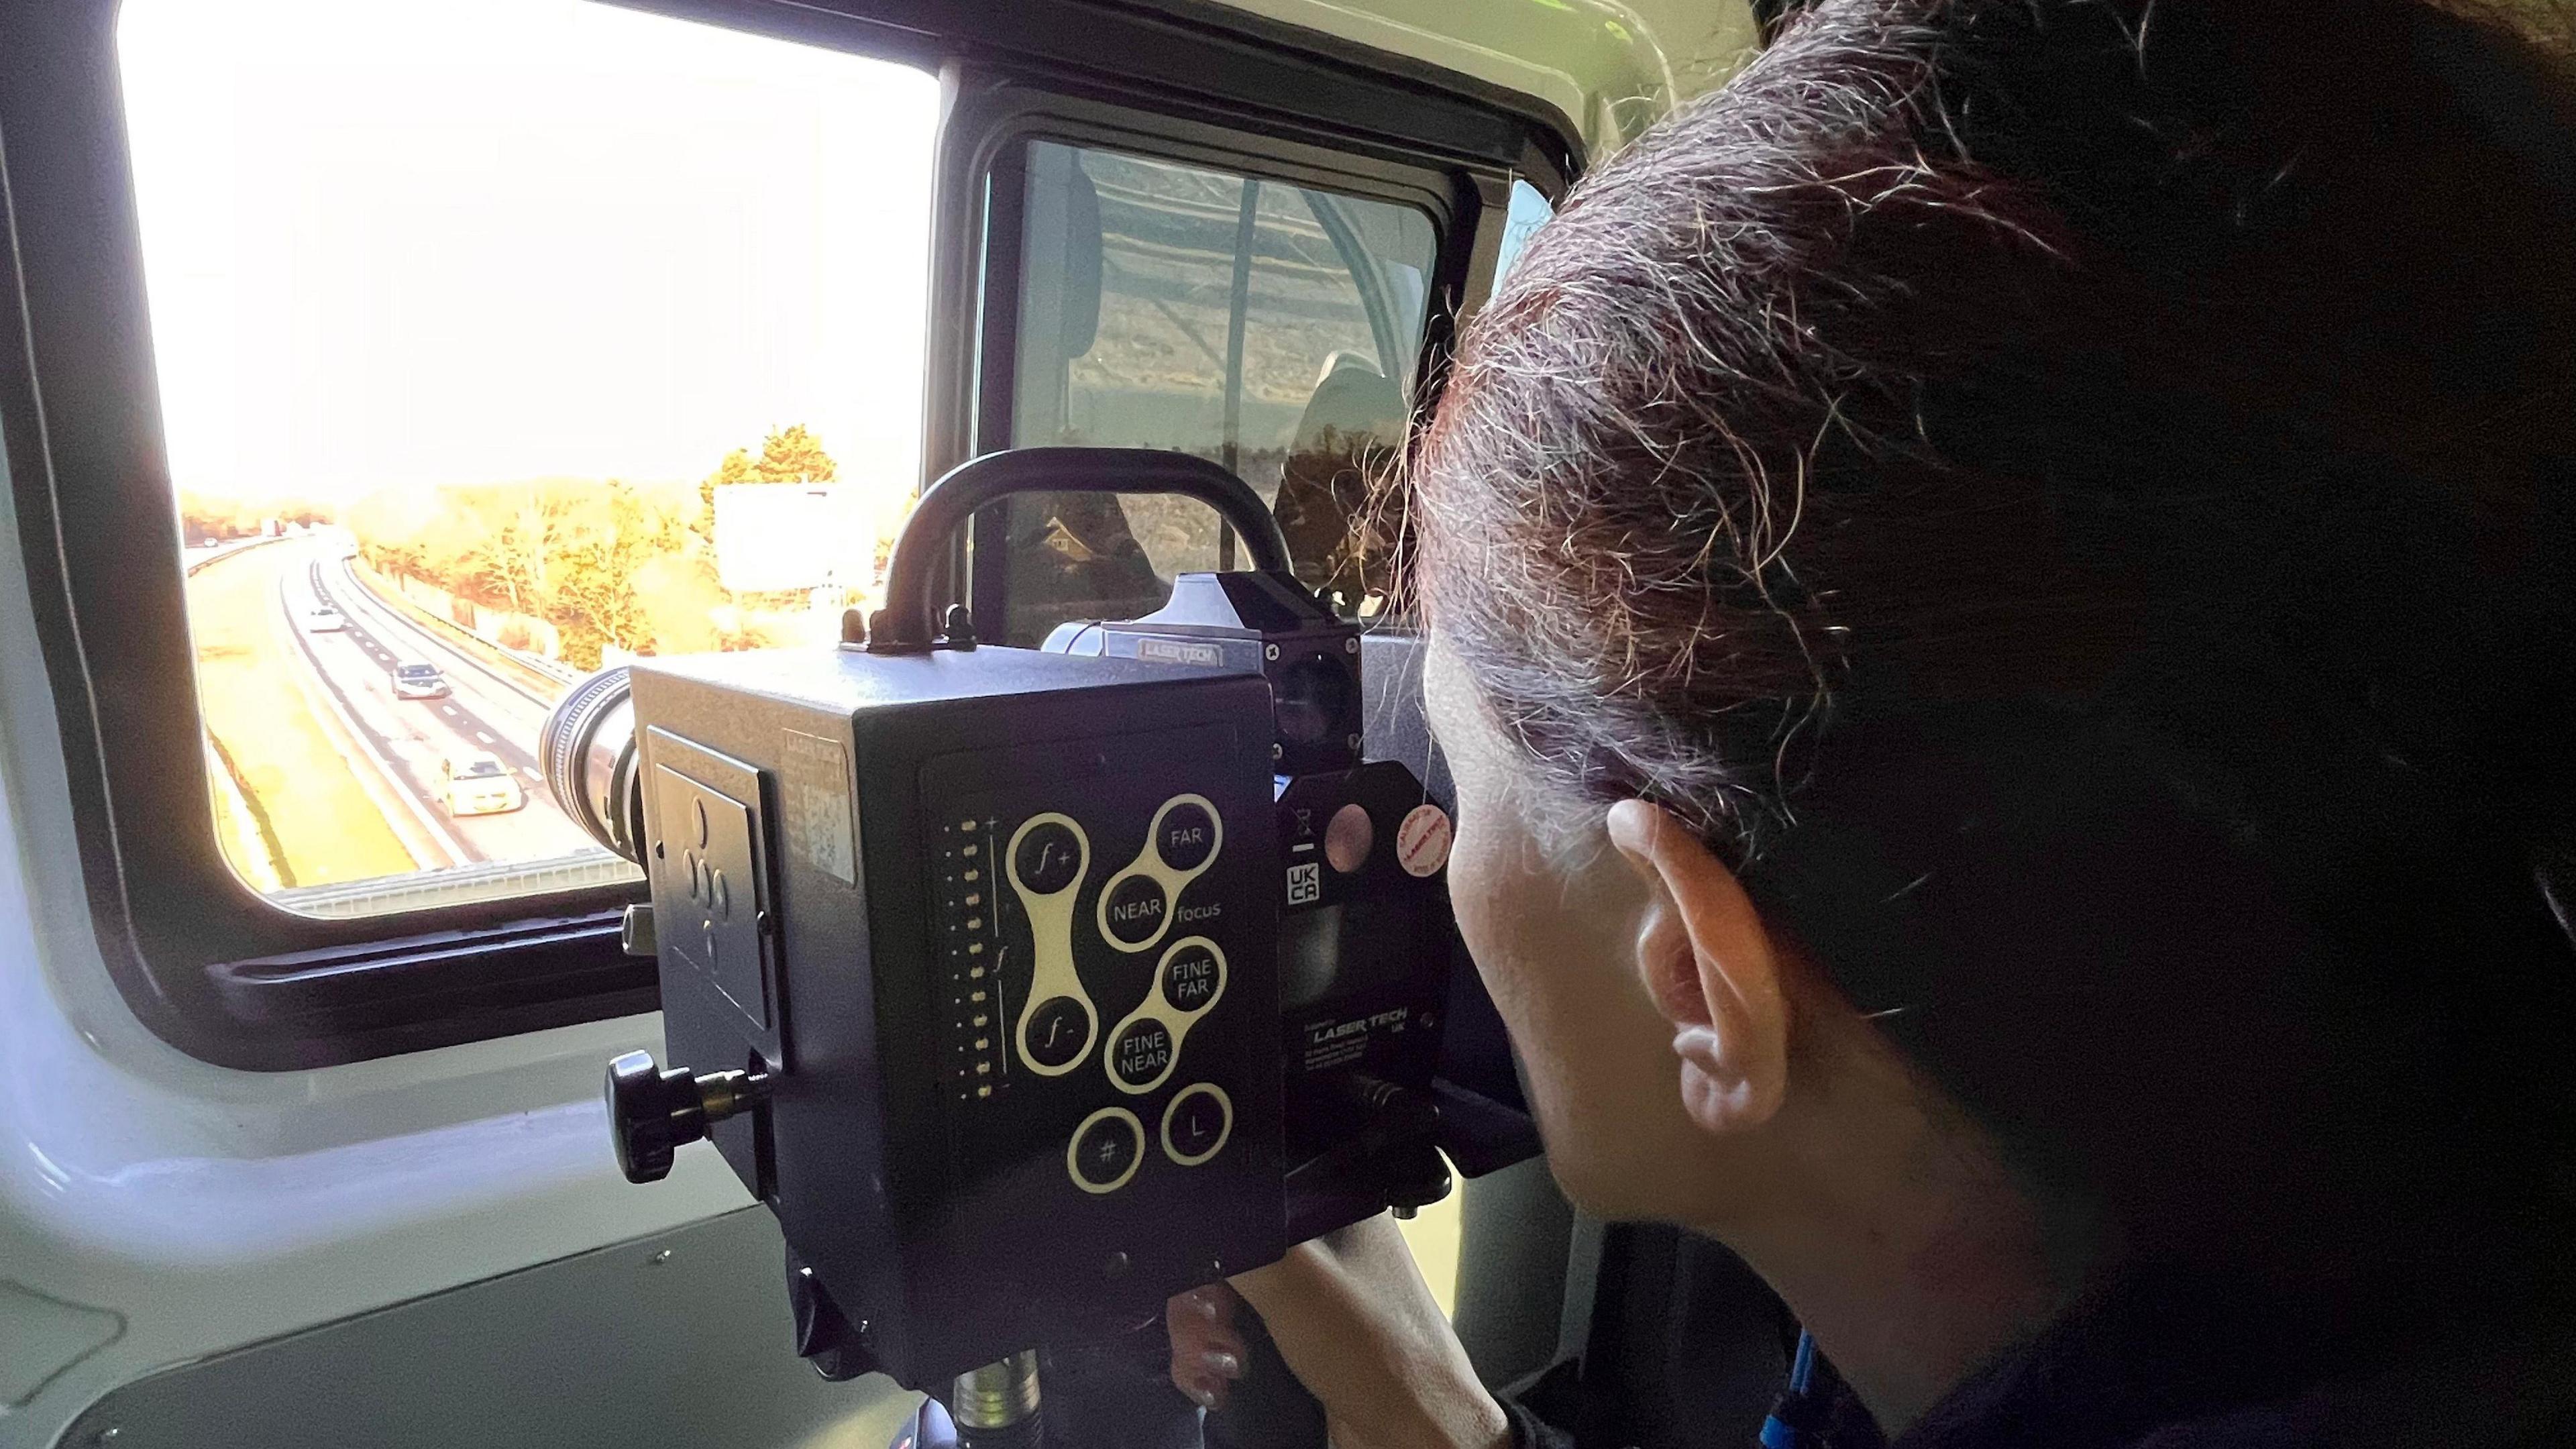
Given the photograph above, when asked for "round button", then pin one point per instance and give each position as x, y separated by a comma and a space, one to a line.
1058, 1029
1134, 911
1186, 837
1142, 1053
1105, 1150
1197, 1124
1349, 838
1192, 975
1048, 858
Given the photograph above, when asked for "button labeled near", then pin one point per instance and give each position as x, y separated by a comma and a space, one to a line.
1134, 911
1197, 1123
1059, 1028
1186, 836
1142, 1054
1048, 859
1105, 1150
1192, 975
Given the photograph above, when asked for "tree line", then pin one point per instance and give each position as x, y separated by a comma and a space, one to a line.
611, 565
205, 519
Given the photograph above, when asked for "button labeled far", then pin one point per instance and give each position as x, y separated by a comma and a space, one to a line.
1105, 1150
1185, 837
1197, 1123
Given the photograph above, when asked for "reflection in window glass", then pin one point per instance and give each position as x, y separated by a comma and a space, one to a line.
1270, 327
499, 339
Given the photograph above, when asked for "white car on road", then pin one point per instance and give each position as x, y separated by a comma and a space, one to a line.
323, 619
478, 784
419, 681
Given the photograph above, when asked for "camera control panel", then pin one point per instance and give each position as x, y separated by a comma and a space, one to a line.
1096, 1012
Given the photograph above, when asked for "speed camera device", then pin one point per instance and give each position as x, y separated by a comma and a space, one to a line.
1029, 987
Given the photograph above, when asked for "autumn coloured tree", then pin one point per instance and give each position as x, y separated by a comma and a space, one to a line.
613, 566
791, 454
596, 602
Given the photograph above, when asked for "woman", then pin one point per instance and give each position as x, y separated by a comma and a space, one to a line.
2001, 596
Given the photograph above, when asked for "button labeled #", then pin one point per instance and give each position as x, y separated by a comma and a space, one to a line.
1105, 1150
1197, 1124
1135, 910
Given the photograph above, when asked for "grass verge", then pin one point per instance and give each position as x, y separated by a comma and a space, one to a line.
320, 823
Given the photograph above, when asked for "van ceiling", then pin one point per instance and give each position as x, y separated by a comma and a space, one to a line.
1611, 68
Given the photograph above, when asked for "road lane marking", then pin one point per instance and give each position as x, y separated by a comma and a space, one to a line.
487, 739
380, 608
326, 697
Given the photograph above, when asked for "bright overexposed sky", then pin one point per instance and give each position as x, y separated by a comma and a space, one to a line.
463, 241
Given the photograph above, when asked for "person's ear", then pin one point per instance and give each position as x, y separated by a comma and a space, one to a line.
1711, 969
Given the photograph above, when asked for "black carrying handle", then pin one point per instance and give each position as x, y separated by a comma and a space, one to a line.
909, 620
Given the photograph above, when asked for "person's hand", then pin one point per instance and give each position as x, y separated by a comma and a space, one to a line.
1207, 1348
1354, 1320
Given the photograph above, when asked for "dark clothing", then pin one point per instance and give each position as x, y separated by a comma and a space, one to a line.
2147, 1368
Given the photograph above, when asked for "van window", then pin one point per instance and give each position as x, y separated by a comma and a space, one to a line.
1271, 327
498, 340
1529, 211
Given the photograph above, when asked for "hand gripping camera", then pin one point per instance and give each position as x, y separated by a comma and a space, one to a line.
1030, 987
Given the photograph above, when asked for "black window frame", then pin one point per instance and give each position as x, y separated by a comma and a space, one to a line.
203, 960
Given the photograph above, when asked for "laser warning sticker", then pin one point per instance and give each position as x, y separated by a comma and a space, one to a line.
815, 792
1422, 841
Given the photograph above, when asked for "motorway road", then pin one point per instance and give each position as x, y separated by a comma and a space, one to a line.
406, 739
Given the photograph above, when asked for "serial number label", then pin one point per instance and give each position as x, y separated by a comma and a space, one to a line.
814, 786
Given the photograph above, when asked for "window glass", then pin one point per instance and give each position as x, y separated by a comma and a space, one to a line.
1270, 327
1529, 211
499, 339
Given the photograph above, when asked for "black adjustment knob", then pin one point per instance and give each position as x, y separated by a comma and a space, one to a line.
653, 1113
1413, 1177
1398, 1139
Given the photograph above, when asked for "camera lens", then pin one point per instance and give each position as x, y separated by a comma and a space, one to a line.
1310, 699
587, 749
